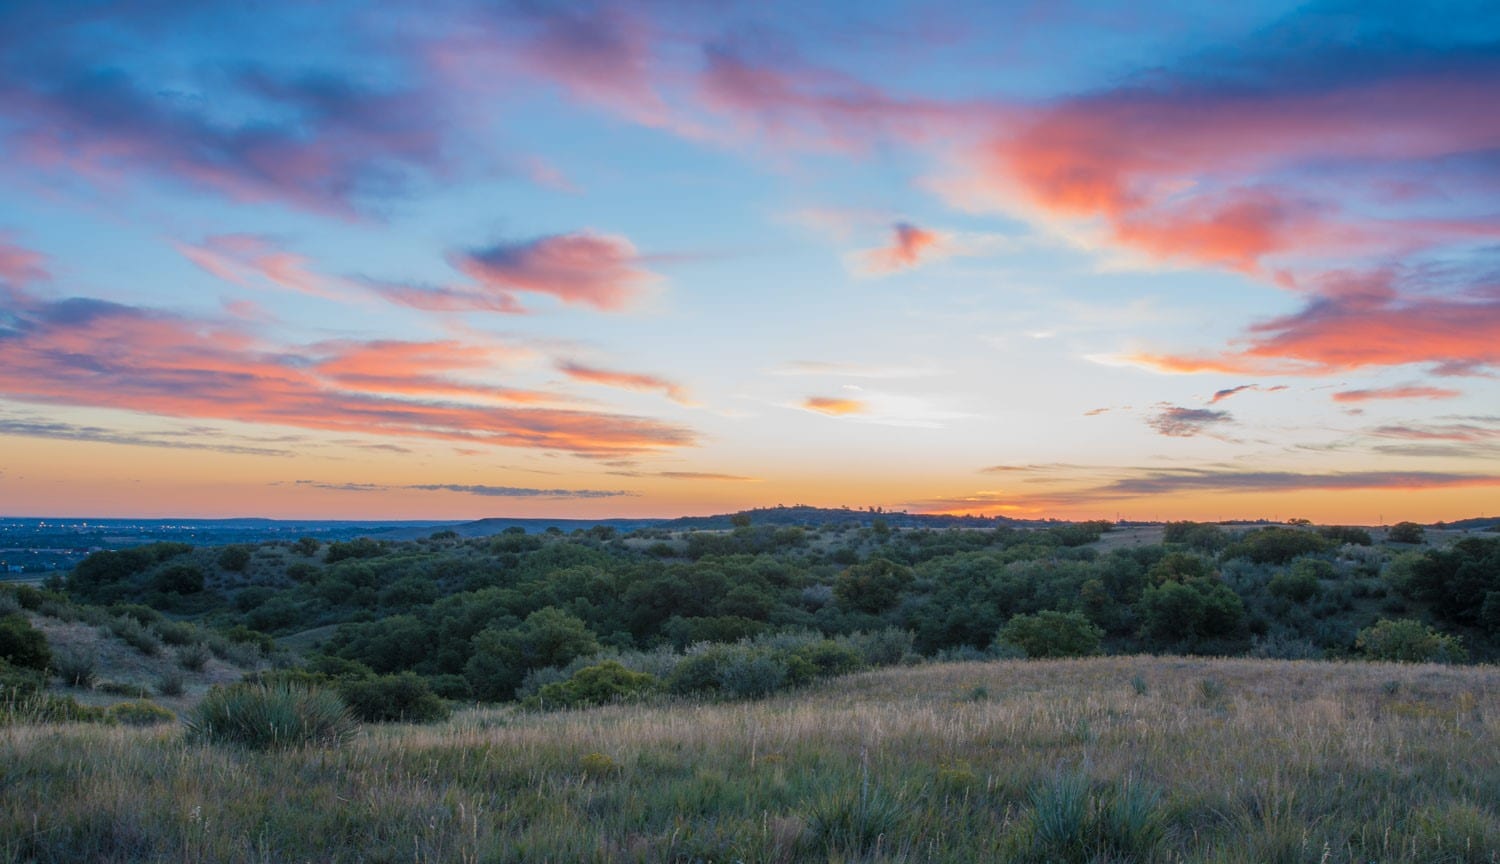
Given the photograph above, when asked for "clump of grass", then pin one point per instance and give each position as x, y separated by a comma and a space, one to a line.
275, 716
1211, 689
1073, 820
598, 765
77, 667
1138, 684
194, 657
171, 683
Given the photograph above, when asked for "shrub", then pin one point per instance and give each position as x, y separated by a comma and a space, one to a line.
77, 667
171, 683
176, 632
22, 644
179, 579
306, 546
194, 657
881, 648
1406, 532
130, 631
752, 675
1276, 545
140, 713
360, 547
1298, 587
404, 698
1408, 641
235, 558
599, 684
1346, 535
270, 717
1052, 634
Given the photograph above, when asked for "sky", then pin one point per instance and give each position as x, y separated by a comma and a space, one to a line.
460, 259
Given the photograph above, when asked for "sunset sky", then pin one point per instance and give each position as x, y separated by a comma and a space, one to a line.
459, 259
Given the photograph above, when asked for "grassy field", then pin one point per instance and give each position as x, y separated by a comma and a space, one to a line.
1107, 759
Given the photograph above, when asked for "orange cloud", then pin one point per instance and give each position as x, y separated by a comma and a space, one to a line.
626, 381
1357, 323
834, 407
90, 352
1395, 393
909, 245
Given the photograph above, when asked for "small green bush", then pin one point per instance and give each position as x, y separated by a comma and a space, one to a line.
1407, 641
270, 717
179, 579
599, 684
404, 698
22, 644
1298, 587
1406, 532
140, 713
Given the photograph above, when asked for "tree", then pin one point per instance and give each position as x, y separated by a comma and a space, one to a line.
306, 546
1408, 641
1406, 532
1191, 613
548, 637
871, 587
1052, 634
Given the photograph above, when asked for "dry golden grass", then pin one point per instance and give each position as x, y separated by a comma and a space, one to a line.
1225, 760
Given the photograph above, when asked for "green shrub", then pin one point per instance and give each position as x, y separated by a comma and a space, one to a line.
140, 713
1052, 634
1345, 535
270, 717
881, 648
873, 586
404, 698
599, 684
1276, 545
360, 547
235, 558
827, 657
22, 644
176, 632
1408, 641
306, 546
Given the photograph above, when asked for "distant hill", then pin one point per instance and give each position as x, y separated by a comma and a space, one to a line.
1479, 523
805, 516
496, 525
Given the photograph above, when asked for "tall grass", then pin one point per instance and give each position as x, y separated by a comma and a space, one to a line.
1294, 761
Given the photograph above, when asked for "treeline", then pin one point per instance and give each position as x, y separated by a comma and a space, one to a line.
756, 608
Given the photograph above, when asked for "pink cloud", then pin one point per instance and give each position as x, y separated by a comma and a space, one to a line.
909, 246
626, 380
94, 353
237, 257
1359, 323
585, 269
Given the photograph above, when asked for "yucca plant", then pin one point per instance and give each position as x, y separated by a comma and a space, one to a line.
274, 716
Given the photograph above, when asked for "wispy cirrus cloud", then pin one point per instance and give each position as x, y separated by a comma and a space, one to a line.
482, 490
197, 439
1221, 395
626, 381
1407, 392
239, 257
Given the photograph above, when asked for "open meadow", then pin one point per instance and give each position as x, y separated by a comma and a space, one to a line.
1120, 759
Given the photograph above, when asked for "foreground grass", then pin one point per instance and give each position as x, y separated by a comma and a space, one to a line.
1109, 759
